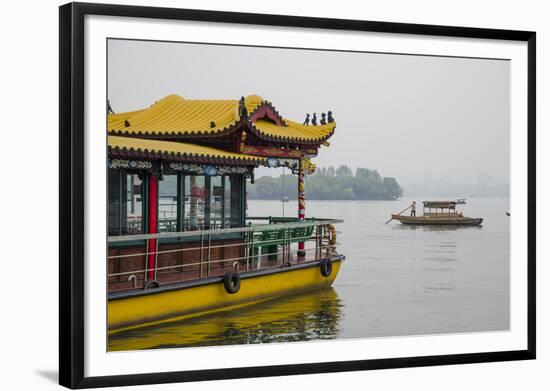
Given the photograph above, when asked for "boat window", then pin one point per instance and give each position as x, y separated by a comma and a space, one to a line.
125, 206
216, 198
168, 204
133, 221
194, 203
235, 201
223, 198
227, 202
210, 202
113, 214
185, 202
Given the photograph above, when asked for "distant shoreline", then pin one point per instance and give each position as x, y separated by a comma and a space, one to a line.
328, 183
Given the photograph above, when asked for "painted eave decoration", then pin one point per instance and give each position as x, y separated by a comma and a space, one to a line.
175, 116
157, 149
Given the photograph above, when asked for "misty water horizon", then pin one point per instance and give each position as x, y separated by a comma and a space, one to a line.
482, 186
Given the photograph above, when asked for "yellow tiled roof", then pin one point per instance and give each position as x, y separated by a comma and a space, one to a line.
119, 118
176, 148
174, 115
295, 130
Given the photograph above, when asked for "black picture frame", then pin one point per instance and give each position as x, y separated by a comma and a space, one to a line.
71, 193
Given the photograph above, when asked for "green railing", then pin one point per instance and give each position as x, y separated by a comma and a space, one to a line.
267, 241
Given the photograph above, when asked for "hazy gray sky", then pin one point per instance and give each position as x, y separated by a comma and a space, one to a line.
407, 116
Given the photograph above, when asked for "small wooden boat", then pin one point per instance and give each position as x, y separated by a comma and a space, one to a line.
439, 213
439, 220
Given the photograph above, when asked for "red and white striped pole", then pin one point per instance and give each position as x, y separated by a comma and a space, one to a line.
301, 204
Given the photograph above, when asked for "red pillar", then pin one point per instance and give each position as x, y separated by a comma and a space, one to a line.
301, 204
152, 218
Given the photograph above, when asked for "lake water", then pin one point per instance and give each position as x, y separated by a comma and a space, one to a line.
396, 280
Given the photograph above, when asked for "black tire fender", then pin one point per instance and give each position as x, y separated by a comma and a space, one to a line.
153, 284
232, 282
326, 267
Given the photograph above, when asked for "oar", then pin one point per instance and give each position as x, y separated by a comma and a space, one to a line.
408, 207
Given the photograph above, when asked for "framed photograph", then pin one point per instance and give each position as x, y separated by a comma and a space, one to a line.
246, 195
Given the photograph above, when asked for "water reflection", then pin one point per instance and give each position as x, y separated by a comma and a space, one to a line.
304, 317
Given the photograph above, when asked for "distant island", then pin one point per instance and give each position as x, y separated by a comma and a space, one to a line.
328, 183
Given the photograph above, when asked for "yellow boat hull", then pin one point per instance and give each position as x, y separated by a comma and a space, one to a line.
155, 306
311, 315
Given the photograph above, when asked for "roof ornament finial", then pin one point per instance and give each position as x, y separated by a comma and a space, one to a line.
109, 108
212, 124
330, 118
127, 123
242, 108
323, 119
306, 121
314, 119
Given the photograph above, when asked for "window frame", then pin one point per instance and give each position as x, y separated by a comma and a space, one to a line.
122, 176
241, 181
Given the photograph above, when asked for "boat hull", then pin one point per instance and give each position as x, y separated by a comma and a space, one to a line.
139, 308
423, 220
290, 315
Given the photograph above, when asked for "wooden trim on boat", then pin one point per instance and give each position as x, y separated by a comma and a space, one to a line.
443, 220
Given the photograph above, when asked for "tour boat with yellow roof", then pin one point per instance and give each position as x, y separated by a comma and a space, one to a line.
179, 241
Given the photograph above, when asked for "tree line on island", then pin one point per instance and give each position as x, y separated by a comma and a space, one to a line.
328, 183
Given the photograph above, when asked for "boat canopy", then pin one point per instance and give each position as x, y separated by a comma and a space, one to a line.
183, 164
175, 117
440, 204
176, 151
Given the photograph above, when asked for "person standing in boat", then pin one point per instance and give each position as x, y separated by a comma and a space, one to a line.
413, 209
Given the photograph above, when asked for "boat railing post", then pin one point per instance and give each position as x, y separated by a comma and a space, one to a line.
283, 252
283, 246
246, 250
252, 249
156, 259
208, 259
321, 233
323, 228
201, 259
287, 250
316, 240
317, 244
146, 259
327, 243
324, 236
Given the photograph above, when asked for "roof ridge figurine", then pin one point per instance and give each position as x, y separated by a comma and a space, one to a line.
314, 119
306, 121
243, 112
